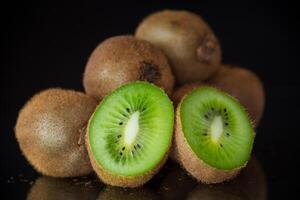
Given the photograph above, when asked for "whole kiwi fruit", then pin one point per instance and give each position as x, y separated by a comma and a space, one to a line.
50, 130
244, 85
123, 59
187, 40
48, 188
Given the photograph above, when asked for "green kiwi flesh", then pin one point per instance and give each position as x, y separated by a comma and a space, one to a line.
216, 130
50, 131
130, 134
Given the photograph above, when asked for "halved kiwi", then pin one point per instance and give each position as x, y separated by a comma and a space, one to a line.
187, 40
50, 130
130, 134
213, 135
123, 59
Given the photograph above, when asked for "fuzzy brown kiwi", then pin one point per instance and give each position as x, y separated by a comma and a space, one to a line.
213, 135
244, 85
187, 40
48, 188
50, 130
122, 59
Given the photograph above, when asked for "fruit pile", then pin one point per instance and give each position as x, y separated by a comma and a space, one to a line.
124, 127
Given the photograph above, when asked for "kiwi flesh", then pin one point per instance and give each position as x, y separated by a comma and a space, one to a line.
123, 59
50, 130
48, 188
213, 135
130, 133
193, 49
244, 85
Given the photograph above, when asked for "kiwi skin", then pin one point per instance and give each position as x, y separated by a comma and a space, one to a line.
122, 181
193, 165
123, 59
193, 49
244, 85
50, 131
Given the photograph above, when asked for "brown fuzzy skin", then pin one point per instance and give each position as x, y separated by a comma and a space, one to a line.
187, 40
243, 85
195, 166
50, 131
122, 181
47, 188
123, 59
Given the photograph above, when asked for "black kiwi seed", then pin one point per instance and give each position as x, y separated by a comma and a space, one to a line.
205, 134
134, 147
212, 109
121, 153
226, 124
119, 136
128, 110
225, 110
227, 134
121, 123
139, 146
123, 148
221, 145
206, 116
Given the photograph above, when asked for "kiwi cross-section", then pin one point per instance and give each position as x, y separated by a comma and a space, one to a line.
130, 134
213, 135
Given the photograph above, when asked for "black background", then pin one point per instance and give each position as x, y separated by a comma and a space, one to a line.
47, 45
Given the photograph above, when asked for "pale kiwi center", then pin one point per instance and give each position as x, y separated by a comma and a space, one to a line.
131, 128
216, 128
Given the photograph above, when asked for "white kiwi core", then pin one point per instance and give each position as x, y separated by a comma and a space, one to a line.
132, 128
216, 128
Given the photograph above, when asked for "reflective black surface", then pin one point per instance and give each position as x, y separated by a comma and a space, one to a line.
171, 183
46, 44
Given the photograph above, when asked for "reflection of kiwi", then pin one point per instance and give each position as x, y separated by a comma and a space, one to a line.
249, 185
124, 59
176, 183
130, 134
47, 188
50, 132
189, 43
115, 193
245, 86
213, 135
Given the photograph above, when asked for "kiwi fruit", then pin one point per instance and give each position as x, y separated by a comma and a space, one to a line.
244, 85
50, 130
249, 185
124, 59
213, 135
48, 188
187, 40
130, 133
116, 193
